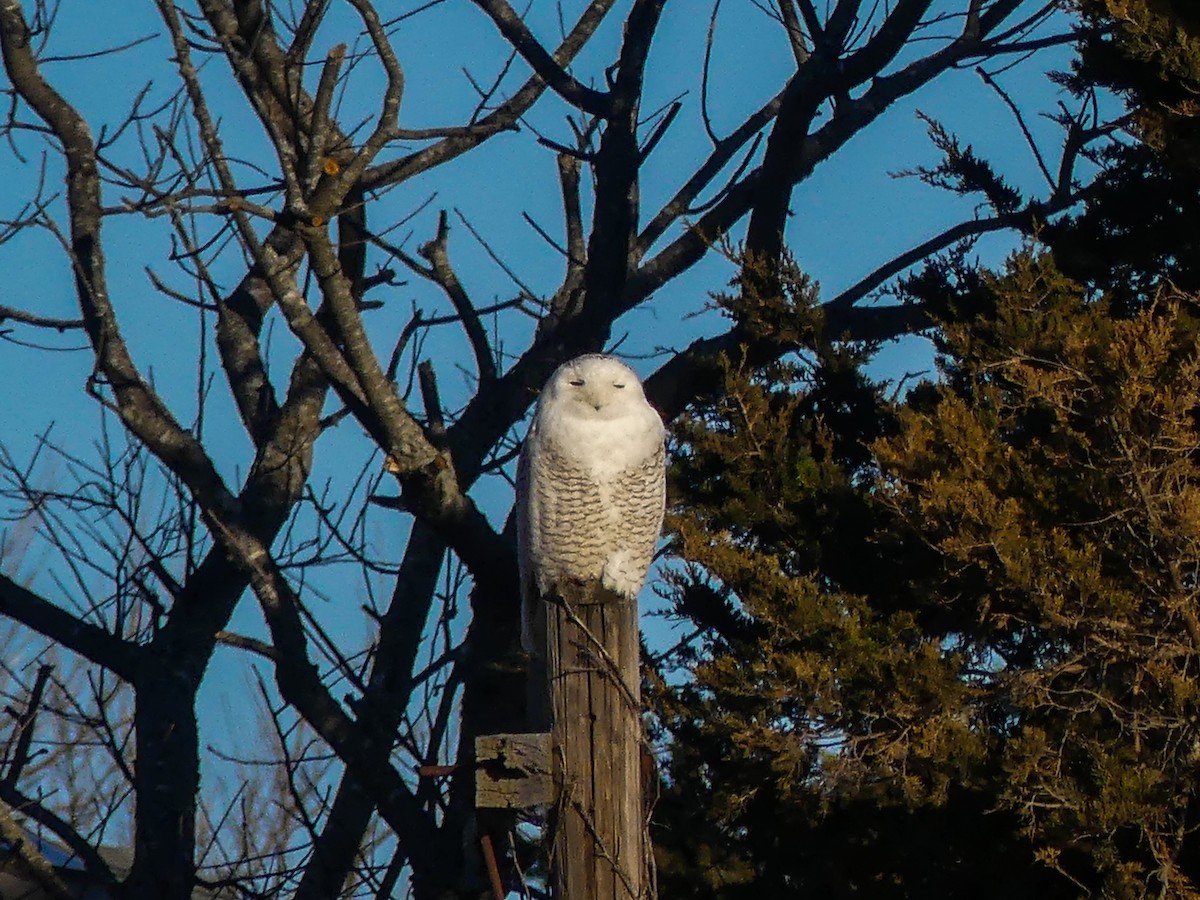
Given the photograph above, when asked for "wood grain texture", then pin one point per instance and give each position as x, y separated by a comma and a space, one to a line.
598, 829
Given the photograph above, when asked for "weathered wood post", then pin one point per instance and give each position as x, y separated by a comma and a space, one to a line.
583, 761
599, 847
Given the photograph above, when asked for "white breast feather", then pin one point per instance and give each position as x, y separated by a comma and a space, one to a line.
590, 485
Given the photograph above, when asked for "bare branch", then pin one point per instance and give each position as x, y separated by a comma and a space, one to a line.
541, 61
443, 273
87, 640
26, 719
503, 118
31, 858
1030, 142
28, 318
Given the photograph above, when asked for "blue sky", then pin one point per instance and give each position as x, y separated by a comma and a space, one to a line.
851, 216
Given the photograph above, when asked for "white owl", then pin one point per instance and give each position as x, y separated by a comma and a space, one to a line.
591, 485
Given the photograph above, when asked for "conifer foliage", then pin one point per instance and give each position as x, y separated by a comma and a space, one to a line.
1150, 49
962, 661
1141, 217
944, 641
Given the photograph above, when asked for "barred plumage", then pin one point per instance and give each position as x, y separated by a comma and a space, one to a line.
590, 484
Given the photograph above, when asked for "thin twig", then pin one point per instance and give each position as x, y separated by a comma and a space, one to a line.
1008, 101
25, 722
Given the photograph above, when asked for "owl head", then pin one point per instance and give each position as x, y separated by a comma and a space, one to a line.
594, 386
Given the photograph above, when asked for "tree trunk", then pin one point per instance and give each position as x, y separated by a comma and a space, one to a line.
167, 781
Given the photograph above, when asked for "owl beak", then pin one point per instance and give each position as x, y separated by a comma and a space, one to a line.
592, 400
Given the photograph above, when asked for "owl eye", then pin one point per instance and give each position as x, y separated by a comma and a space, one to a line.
578, 382
618, 384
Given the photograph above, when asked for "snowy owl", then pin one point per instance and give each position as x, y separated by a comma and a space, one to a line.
591, 486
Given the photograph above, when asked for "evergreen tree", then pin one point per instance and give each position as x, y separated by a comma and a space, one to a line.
947, 646
1150, 51
1141, 218
959, 659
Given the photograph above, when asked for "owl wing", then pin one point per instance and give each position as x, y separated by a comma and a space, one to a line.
638, 501
528, 548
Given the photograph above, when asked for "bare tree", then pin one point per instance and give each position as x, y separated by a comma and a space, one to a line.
284, 209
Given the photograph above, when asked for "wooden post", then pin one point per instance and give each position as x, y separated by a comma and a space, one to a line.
514, 771
599, 846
